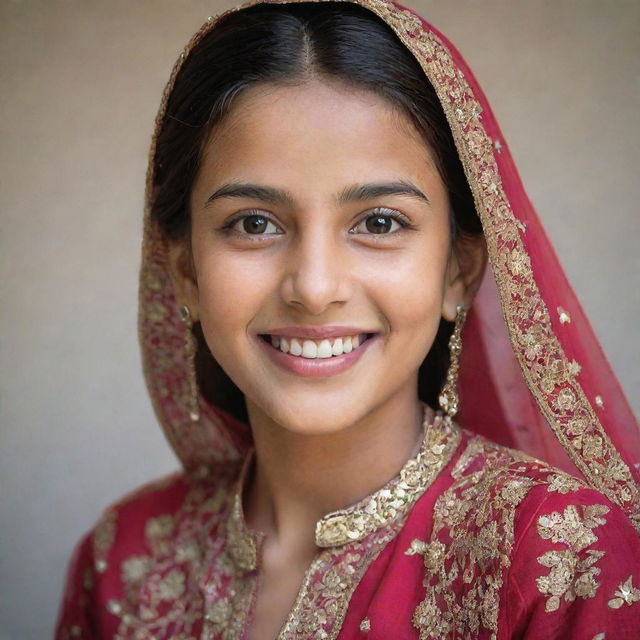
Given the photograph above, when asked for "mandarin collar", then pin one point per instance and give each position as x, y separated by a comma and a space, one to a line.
381, 508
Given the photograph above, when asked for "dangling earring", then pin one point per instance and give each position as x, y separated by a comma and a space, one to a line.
448, 397
190, 346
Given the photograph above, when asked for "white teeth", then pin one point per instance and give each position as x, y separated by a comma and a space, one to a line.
324, 349
309, 349
312, 349
295, 348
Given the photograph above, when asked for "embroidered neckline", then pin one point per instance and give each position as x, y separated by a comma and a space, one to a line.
377, 510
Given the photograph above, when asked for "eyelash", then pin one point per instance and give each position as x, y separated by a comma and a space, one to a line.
401, 219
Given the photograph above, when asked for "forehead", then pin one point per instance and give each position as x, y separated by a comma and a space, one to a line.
315, 130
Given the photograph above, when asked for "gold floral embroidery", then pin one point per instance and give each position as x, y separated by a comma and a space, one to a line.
228, 600
570, 576
563, 483
158, 532
572, 573
625, 594
134, 569
572, 529
471, 541
161, 592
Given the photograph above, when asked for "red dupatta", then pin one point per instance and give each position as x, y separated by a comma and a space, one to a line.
533, 374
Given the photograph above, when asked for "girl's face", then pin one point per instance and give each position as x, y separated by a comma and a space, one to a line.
320, 228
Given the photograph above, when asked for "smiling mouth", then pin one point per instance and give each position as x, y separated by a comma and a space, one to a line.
316, 349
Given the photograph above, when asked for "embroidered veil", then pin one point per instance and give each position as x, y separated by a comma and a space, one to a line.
533, 375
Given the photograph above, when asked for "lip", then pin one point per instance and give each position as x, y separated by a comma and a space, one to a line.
317, 332
316, 367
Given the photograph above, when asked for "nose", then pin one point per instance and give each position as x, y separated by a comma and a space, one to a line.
316, 274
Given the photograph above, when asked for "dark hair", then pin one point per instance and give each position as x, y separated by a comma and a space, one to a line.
288, 44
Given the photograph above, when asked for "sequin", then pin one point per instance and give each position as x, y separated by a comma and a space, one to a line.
563, 316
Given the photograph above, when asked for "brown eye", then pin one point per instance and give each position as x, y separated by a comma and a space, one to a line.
254, 224
378, 224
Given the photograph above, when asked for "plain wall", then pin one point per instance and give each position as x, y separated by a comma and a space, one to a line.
80, 85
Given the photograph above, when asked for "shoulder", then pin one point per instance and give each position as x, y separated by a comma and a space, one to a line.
518, 494
558, 558
493, 479
151, 530
147, 518
493, 521
574, 567
481, 458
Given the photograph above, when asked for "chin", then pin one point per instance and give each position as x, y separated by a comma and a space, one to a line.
315, 415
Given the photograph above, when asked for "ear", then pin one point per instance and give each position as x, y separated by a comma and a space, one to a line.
465, 271
182, 273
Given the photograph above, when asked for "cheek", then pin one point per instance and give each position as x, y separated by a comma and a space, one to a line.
410, 296
231, 291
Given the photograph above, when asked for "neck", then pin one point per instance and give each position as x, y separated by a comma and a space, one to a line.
300, 478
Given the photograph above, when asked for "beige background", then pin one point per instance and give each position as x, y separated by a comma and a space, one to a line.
81, 82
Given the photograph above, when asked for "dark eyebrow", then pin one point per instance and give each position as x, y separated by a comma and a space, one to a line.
376, 190
356, 192
272, 195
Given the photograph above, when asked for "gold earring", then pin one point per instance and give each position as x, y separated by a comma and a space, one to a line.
448, 398
190, 346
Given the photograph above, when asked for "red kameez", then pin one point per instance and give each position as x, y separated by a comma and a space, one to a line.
476, 541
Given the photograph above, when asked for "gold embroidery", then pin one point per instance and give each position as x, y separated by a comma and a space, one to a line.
134, 569
572, 529
161, 593
329, 583
625, 594
572, 573
416, 547
158, 532
103, 537
570, 576
241, 543
471, 541
381, 508
563, 483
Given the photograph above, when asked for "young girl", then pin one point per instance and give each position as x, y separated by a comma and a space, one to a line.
326, 186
